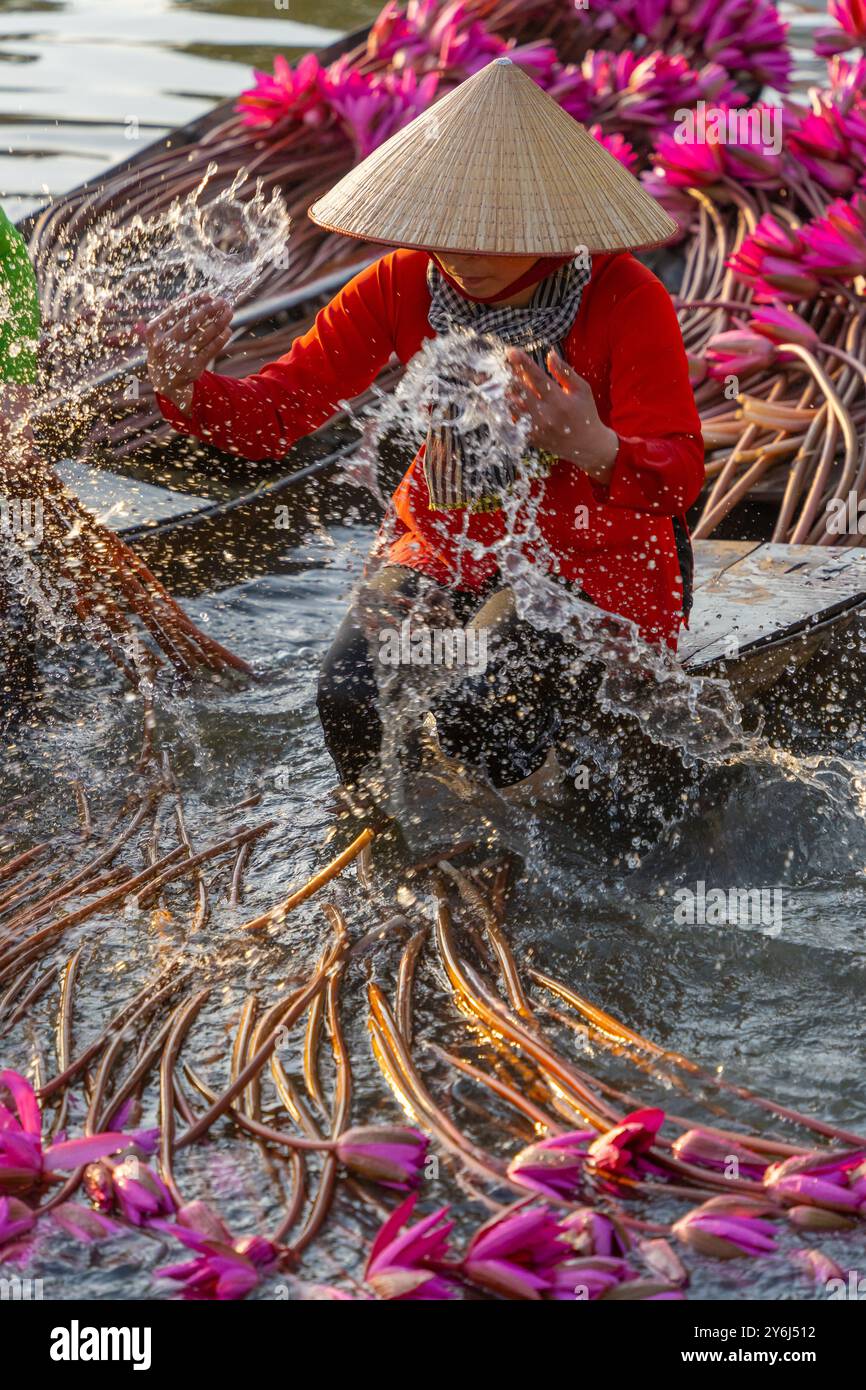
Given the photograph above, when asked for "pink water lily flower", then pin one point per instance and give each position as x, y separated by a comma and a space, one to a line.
517, 1254
690, 164
782, 325
849, 29
393, 1155
771, 260
704, 1150
726, 1229
465, 45
619, 1151
286, 94
554, 1167
372, 106
392, 32
818, 143
24, 1163
830, 1180
745, 37
129, 1187
738, 351
225, 1269
836, 242
407, 1264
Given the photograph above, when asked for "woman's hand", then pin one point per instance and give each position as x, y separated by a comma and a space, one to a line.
563, 417
182, 341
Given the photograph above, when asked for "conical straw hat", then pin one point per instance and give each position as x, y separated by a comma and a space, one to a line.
495, 167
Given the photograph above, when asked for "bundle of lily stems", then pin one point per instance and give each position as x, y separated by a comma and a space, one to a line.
578, 1189
81, 580
771, 256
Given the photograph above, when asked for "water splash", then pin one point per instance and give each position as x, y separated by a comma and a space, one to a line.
463, 380
433, 393
96, 292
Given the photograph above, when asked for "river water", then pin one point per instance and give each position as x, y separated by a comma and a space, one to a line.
781, 1011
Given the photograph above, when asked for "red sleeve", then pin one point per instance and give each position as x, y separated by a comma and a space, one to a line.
660, 463
260, 416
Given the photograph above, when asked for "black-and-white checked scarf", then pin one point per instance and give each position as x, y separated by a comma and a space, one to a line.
459, 471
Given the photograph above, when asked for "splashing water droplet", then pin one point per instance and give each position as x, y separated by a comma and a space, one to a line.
96, 292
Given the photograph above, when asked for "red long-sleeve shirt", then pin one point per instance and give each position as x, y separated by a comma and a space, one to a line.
616, 541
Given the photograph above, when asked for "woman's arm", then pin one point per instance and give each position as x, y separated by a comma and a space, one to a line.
659, 465
260, 416
649, 454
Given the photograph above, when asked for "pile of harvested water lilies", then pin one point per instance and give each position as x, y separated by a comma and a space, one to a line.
771, 257
78, 580
583, 1191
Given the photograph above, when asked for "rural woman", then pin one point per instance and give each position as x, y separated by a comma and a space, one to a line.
512, 223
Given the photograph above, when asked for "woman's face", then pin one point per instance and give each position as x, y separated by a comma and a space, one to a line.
484, 276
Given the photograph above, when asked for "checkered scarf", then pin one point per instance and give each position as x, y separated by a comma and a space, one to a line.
457, 472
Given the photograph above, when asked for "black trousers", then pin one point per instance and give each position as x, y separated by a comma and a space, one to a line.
501, 719
530, 697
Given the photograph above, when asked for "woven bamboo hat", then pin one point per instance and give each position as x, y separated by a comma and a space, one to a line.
498, 168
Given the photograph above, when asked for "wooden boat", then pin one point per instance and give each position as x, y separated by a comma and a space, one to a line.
759, 608
763, 609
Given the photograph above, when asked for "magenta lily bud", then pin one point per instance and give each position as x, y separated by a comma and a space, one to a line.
832, 1165
406, 1264
725, 1234
130, 1188
850, 17
554, 1167
801, 1189
824, 1178
819, 1219
393, 1155
739, 352
782, 325
704, 1150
